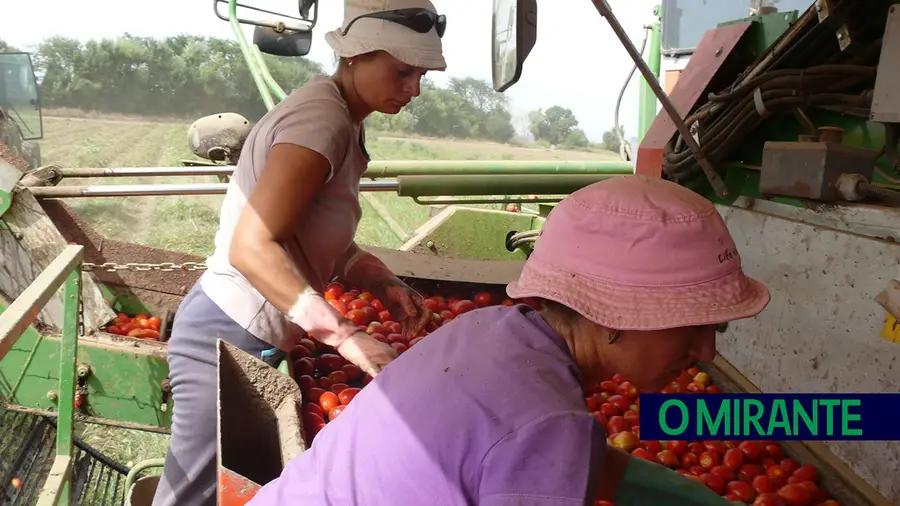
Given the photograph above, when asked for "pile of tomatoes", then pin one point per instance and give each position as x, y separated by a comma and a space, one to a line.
329, 382
140, 326
752, 472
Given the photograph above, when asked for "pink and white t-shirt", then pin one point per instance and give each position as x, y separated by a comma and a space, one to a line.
315, 116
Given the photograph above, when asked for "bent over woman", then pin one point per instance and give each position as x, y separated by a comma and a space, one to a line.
287, 226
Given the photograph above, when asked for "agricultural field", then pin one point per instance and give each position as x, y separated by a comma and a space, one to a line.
189, 223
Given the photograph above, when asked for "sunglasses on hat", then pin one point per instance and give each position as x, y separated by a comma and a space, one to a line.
420, 20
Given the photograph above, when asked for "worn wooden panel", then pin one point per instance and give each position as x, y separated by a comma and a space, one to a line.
821, 331
27, 247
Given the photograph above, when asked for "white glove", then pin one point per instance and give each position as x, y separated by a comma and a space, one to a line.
368, 353
327, 325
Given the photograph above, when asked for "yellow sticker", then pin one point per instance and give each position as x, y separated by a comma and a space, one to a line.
891, 330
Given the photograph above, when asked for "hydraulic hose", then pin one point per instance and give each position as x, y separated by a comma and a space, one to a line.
622, 150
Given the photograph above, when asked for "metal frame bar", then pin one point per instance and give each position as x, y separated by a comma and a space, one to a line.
65, 270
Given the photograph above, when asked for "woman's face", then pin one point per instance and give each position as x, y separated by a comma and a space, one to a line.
385, 83
649, 359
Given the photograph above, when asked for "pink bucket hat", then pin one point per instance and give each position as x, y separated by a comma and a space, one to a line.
639, 253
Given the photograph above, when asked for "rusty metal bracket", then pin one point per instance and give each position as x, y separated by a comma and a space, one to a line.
822, 9
843, 37
718, 185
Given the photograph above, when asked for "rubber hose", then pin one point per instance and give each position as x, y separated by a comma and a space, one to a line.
621, 137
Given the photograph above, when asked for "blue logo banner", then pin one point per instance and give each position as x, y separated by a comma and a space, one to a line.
810, 417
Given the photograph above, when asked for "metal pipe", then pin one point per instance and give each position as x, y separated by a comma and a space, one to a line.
220, 170
544, 184
158, 190
389, 168
714, 179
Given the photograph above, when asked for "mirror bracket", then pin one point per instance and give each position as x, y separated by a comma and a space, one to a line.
305, 23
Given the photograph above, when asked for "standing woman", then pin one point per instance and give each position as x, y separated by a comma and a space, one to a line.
287, 227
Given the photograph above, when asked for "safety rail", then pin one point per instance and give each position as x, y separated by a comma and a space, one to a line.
63, 271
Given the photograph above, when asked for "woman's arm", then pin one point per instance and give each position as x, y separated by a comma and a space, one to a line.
291, 178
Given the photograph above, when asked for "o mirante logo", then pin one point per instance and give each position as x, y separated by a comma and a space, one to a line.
770, 416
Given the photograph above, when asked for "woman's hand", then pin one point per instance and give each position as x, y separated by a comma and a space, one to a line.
368, 353
406, 305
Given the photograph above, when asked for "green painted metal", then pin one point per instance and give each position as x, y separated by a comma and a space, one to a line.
250, 57
124, 384
67, 359
647, 109
480, 234
396, 168
138, 469
496, 184
5, 201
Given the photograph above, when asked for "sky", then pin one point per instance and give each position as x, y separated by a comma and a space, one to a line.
577, 61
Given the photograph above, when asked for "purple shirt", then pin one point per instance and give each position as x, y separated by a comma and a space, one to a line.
487, 410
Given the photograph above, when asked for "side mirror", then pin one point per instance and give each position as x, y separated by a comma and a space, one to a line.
285, 43
514, 33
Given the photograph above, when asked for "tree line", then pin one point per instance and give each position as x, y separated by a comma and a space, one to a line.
189, 76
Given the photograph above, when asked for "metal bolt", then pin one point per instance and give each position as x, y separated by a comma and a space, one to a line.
52, 396
83, 370
429, 244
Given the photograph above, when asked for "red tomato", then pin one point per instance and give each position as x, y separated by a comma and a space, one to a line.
715, 446
508, 302
313, 408
352, 371
806, 472
328, 400
433, 305
616, 424
334, 412
325, 383
394, 327
315, 394
400, 347
358, 317
775, 452
381, 337
710, 460
328, 362
396, 338
609, 410
309, 345
763, 484
748, 472
463, 306
795, 494
483, 299
311, 419
112, 329
697, 448
446, 315
301, 351
789, 465
358, 304
619, 401
679, 447
668, 458
306, 382
377, 305
154, 322
689, 460
643, 454
768, 499
715, 483
367, 296
385, 316
339, 305
724, 471
654, 447
338, 376
734, 458
339, 387
346, 395
741, 490
753, 450
305, 366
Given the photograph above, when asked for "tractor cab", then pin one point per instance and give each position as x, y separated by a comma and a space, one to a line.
20, 110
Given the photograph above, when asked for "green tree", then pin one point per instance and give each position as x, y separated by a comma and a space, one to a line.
553, 125
611, 140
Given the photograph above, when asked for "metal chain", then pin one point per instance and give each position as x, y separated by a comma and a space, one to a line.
132, 266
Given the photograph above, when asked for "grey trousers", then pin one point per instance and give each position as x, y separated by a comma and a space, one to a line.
189, 475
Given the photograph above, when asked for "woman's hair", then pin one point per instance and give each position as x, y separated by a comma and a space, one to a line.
560, 311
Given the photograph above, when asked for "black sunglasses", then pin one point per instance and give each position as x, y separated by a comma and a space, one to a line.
420, 20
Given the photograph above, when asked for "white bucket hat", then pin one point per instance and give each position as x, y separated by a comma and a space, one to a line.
367, 34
